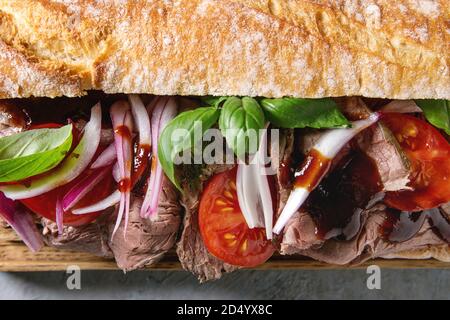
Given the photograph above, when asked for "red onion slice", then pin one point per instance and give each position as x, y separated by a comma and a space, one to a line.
104, 204
402, 106
128, 157
151, 106
82, 188
329, 144
71, 167
333, 140
120, 214
255, 201
22, 222
59, 216
141, 119
169, 113
106, 158
265, 196
123, 127
248, 196
116, 172
157, 110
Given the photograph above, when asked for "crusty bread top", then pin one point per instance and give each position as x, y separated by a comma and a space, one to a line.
304, 48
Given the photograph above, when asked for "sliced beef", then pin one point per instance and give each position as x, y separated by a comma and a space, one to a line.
303, 230
343, 252
300, 234
380, 144
191, 250
353, 108
446, 209
106, 137
12, 119
92, 238
371, 244
300, 231
147, 240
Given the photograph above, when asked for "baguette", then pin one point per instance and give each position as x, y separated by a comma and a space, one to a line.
300, 48
271, 48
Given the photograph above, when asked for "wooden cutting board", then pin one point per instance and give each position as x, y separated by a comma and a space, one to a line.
15, 256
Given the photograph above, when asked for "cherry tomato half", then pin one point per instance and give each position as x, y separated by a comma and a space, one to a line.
429, 154
45, 204
223, 227
49, 125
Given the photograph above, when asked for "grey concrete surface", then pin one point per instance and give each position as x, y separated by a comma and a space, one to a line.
344, 284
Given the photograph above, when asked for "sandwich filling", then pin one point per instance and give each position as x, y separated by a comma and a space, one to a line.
234, 179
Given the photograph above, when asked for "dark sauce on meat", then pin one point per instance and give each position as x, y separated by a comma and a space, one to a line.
355, 185
401, 226
141, 167
313, 169
337, 203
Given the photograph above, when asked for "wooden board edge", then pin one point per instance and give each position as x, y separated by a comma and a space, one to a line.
15, 257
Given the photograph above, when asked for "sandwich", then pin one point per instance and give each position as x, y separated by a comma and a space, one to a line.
228, 130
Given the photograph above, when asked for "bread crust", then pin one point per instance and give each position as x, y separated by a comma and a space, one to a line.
272, 48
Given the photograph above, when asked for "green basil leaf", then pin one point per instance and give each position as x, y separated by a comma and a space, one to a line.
238, 117
302, 113
191, 121
33, 152
213, 101
437, 113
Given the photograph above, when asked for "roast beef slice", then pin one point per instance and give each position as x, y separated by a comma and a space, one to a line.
380, 144
377, 142
393, 165
146, 241
12, 119
191, 250
446, 209
354, 108
299, 234
369, 244
91, 238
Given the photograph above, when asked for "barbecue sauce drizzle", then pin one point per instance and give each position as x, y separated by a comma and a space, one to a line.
338, 201
125, 133
140, 166
314, 168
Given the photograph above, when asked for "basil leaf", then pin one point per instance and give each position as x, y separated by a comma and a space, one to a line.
191, 121
437, 113
238, 117
300, 113
27, 154
213, 101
